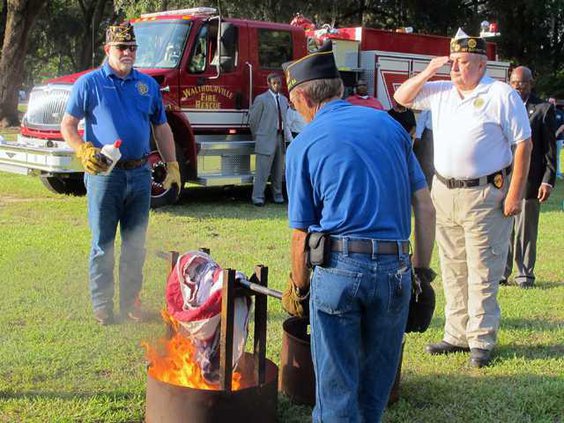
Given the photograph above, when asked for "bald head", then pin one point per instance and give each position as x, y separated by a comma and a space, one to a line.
521, 80
361, 87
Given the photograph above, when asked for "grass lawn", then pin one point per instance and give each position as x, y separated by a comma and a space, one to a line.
57, 364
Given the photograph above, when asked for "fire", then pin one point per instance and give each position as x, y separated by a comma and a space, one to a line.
172, 361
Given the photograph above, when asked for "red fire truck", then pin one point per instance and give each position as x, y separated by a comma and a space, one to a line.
210, 69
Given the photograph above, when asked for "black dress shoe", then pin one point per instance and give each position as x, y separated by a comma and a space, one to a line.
479, 358
504, 282
258, 203
526, 284
444, 347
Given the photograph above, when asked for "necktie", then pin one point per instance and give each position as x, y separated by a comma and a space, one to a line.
279, 113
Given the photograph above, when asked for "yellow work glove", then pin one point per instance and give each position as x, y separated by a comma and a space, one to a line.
294, 302
91, 158
172, 176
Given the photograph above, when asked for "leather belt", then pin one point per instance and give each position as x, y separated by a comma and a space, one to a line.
131, 164
452, 183
368, 246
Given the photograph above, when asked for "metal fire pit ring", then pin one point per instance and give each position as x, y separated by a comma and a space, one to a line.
297, 378
257, 397
166, 403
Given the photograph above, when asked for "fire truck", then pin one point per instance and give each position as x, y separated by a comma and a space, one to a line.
210, 69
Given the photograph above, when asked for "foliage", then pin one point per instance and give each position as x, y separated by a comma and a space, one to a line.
59, 365
531, 31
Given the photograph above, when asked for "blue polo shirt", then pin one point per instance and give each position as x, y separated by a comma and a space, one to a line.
114, 108
352, 172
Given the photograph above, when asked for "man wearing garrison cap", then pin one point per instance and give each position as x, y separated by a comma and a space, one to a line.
478, 187
117, 102
352, 178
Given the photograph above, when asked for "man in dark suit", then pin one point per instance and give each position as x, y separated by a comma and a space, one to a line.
542, 174
266, 119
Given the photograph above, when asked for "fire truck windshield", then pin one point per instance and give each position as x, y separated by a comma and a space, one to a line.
161, 43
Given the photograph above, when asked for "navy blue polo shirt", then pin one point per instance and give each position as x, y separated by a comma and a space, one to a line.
114, 107
352, 172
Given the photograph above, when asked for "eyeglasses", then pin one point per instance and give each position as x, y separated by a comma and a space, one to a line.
122, 47
519, 83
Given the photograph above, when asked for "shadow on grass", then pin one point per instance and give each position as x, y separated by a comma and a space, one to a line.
540, 324
529, 352
227, 202
539, 285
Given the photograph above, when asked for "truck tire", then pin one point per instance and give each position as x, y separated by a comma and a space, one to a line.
159, 196
67, 186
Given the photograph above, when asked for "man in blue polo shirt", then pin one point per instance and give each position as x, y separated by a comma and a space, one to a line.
118, 102
351, 174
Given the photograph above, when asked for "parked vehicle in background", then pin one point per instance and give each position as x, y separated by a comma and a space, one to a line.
210, 69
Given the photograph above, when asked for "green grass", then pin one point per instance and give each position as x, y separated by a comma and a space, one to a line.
56, 364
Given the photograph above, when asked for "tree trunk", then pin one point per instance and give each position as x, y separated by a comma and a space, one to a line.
93, 13
20, 18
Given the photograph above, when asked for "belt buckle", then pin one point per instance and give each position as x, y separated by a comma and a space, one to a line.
451, 183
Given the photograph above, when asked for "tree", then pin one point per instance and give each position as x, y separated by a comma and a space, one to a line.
20, 17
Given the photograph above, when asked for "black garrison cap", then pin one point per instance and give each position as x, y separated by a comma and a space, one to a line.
318, 65
462, 43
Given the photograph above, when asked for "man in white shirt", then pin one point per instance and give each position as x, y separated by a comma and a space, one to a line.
294, 123
476, 122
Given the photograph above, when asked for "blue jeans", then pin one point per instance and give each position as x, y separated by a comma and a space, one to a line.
359, 305
123, 197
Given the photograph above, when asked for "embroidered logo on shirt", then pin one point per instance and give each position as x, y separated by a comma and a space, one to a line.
142, 88
479, 103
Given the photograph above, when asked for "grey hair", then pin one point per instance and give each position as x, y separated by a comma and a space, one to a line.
320, 90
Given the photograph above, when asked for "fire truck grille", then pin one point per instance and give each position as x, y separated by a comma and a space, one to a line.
46, 107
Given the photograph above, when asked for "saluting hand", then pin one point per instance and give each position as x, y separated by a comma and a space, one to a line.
436, 64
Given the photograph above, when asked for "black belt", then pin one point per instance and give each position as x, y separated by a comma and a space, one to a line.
131, 164
469, 183
365, 246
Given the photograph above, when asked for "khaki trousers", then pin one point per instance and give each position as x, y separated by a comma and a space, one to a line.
473, 239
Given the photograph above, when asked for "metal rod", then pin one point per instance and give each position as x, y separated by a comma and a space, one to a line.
172, 256
260, 289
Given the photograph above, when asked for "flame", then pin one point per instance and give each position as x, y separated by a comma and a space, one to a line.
172, 361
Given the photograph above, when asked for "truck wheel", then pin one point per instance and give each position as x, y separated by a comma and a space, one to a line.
159, 196
68, 186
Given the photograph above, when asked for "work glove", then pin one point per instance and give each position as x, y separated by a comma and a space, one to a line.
422, 304
296, 303
91, 159
172, 176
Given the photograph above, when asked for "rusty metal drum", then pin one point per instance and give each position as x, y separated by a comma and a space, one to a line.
297, 378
